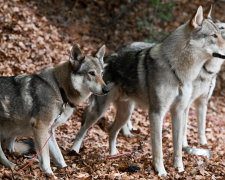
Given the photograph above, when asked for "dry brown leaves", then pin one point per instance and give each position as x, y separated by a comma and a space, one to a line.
38, 34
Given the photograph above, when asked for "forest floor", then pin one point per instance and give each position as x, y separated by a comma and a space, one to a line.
38, 34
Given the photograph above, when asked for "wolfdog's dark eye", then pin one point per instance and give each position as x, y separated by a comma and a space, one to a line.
214, 35
91, 73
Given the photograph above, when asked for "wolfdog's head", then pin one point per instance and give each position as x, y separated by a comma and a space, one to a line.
206, 34
87, 71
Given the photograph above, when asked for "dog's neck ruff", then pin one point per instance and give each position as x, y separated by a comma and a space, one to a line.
171, 68
64, 98
175, 74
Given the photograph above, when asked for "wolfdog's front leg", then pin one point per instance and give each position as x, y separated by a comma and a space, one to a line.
177, 115
3, 158
56, 153
40, 131
156, 120
177, 123
96, 108
201, 106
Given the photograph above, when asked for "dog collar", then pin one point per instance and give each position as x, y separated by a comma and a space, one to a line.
217, 55
63, 94
209, 72
64, 98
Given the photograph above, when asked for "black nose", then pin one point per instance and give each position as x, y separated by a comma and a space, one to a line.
105, 89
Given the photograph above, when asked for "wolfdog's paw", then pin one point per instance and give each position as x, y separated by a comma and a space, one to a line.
180, 169
73, 153
126, 131
75, 149
6, 162
9, 164
161, 170
113, 151
11, 149
128, 134
178, 164
203, 141
76, 146
185, 143
131, 127
60, 165
48, 171
51, 176
162, 173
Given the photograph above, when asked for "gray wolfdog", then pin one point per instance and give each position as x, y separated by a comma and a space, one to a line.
203, 88
30, 104
157, 79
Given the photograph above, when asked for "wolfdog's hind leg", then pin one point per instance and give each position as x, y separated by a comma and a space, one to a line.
40, 131
185, 130
124, 112
10, 144
4, 160
128, 126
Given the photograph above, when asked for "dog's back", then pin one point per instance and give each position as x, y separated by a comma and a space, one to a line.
22, 97
122, 72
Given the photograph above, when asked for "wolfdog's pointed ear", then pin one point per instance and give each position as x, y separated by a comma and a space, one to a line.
100, 54
208, 13
196, 21
75, 55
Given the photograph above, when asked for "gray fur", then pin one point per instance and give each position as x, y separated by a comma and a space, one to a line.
29, 104
147, 77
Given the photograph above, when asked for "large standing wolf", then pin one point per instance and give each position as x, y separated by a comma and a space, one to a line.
30, 104
203, 87
158, 79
